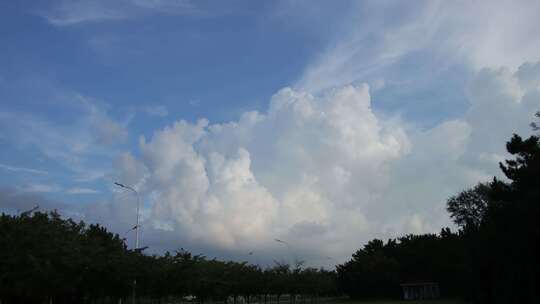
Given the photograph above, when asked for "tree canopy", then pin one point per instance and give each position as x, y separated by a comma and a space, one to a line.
492, 258
49, 258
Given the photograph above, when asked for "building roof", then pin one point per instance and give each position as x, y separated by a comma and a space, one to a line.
418, 283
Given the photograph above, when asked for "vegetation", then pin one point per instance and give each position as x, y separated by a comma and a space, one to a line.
382, 301
377, 270
48, 258
492, 258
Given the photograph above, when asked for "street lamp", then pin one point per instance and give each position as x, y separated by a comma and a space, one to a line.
283, 242
136, 232
138, 206
293, 255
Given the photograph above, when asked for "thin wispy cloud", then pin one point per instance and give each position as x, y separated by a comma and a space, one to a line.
66, 13
69, 145
451, 32
41, 188
194, 102
80, 147
89, 175
156, 110
23, 170
78, 190
53, 188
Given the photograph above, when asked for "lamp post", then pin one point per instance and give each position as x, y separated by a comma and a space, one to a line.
289, 249
138, 206
136, 232
283, 242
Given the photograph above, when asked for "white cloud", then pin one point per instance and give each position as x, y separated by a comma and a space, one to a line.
320, 166
109, 132
14, 201
53, 188
74, 12
310, 163
65, 13
22, 169
73, 143
473, 33
41, 188
165, 5
77, 190
194, 102
89, 175
322, 169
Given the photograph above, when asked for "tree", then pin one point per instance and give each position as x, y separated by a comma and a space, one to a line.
371, 273
512, 229
468, 208
501, 230
47, 258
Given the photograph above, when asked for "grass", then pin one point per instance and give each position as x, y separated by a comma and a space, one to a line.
438, 301
408, 302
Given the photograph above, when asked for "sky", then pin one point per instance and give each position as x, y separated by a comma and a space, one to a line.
320, 123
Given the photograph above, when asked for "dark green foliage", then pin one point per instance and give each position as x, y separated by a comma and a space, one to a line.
377, 270
510, 233
370, 273
492, 259
468, 208
47, 258
502, 241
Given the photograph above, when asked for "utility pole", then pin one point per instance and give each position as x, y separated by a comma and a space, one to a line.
293, 255
134, 296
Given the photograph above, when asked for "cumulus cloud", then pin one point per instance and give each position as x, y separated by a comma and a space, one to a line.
321, 169
306, 167
313, 169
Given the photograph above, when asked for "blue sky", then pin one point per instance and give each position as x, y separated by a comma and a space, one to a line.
215, 63
243, 121
244, 53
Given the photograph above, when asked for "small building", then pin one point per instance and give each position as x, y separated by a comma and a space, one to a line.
420, 290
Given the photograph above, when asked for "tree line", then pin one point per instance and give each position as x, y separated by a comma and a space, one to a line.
377, 270
49, 259
492, 258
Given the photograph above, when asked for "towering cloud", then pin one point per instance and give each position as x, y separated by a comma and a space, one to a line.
323, 169
304, 169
